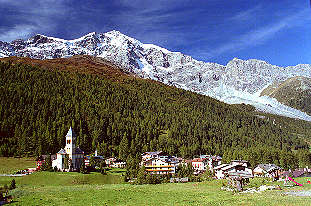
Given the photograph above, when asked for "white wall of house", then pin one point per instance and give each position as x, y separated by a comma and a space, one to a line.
212, 163
199, 165
58, 162
219, 174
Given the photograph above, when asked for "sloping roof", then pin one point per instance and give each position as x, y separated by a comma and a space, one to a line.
205, 156
298, 173
216, 158
239, 161
198, 160
220, 166
61, 151
153, 153
71, 133
78, 151
268, 167
229, 167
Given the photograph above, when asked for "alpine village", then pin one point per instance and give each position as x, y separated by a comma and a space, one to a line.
104, 119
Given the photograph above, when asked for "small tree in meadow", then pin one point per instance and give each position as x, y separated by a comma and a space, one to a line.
141, 176
47, 164
12, 185
208, 175
83, 170
5, 188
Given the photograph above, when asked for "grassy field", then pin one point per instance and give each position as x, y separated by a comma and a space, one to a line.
48, 188
11, 165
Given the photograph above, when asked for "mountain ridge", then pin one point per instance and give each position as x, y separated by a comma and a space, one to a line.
240, 81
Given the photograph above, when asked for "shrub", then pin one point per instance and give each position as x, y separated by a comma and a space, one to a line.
103, 171
12, 185
5, 188
207, 175
83, 170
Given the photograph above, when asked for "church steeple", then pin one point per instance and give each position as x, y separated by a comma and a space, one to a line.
70, 141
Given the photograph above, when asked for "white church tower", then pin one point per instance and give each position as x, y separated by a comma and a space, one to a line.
70, 142
74, 154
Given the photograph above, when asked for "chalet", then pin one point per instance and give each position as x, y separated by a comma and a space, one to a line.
161, 165
235, 166
115, 163
240, 162
212, 161
119, 164
110, 161
219, 172
199, 165
149, 155
267, 170
71, 153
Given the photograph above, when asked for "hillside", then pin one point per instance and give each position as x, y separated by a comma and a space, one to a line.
123, 115
239, 81
294, 92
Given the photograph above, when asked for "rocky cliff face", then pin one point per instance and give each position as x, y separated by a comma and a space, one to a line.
238, 82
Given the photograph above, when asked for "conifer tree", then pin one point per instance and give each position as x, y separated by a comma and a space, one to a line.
123, 148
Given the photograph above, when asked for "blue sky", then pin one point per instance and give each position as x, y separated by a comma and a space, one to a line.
277, 31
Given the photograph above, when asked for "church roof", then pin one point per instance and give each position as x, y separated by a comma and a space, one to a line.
62, 151
78, 151
71, 133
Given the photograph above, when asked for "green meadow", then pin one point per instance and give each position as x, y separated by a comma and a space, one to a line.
11, 164
49, 188
57, 188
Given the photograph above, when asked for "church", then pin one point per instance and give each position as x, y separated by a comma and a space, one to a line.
74, 155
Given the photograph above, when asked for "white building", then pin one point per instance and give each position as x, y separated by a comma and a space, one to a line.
267, 170
74, 154
199, 165
161, 165
149, 155
212, 161
235, 166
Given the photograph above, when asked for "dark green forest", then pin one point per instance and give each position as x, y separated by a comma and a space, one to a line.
127, 117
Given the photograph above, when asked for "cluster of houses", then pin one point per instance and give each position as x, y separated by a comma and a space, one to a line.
160, 163
72, 157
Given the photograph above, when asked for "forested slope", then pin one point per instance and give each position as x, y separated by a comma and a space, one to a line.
123, 116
